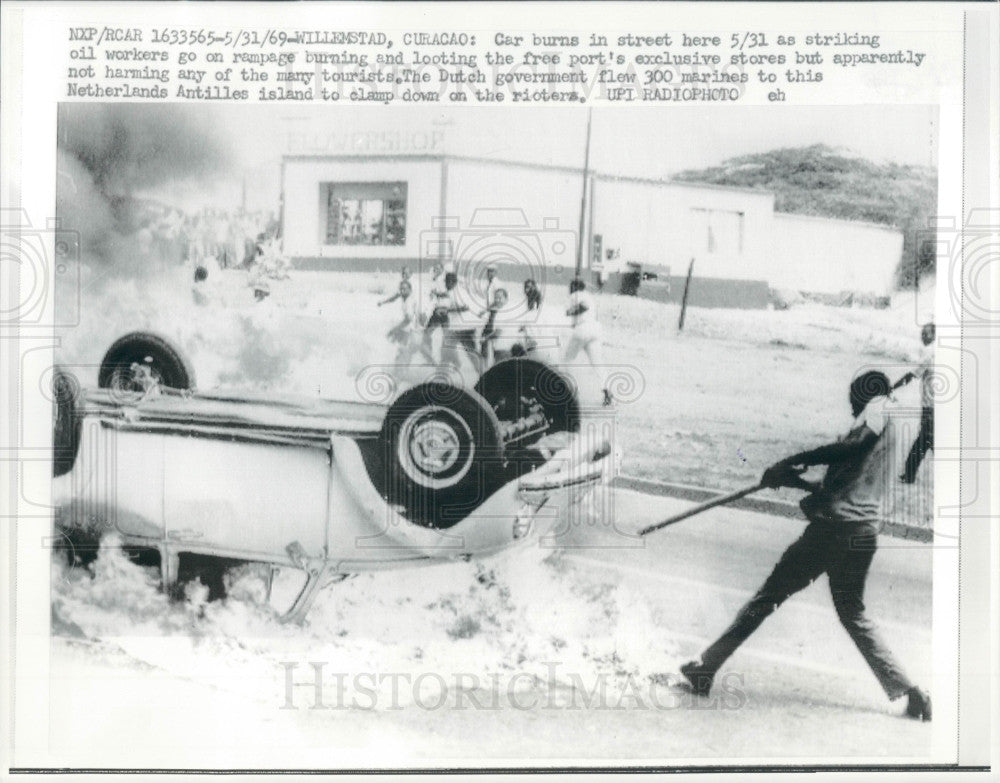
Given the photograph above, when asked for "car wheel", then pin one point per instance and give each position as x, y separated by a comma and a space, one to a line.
442, 451
66, 421
531, 399
139, 357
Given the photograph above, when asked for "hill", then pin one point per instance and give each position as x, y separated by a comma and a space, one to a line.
821, 181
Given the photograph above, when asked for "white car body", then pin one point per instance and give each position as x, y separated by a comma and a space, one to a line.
285, 482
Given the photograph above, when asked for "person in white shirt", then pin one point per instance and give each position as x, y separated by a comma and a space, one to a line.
492, 284
438, 295
586, 334
407, 333
452, 302
264, 314
404, 277
199, 291
491, 329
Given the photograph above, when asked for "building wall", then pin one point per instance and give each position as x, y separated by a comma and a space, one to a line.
304, 213
526, 220
668, 225
704, 291
821, 255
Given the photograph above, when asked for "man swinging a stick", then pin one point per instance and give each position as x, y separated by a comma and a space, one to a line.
844, 513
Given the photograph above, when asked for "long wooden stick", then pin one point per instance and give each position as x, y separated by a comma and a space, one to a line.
719, 501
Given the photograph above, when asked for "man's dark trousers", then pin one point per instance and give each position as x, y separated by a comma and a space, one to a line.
924, 442
844, 551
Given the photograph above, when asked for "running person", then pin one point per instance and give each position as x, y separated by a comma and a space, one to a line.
438, 294
844, 513
448, 304
491, 332
533, 302
406, 334
198, 291
532, 294
404, 278
586, 334
492, 284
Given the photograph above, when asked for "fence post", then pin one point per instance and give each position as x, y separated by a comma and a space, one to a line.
684, 298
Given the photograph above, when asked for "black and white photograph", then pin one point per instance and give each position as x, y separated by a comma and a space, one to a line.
466, 437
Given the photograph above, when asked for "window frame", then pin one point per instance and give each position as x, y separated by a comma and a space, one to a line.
361, 192
711, 239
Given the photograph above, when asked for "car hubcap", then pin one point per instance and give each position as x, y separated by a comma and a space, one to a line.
139, 377
432, 447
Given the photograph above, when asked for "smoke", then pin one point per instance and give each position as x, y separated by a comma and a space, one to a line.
108, 153
127, 147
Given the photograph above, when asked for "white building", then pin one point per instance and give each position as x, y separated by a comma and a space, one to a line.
348, 211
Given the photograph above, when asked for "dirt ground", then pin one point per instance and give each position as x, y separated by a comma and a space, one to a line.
739, 390
713, 405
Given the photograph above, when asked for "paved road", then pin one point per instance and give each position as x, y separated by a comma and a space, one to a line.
802, 690
805, 690
701, 570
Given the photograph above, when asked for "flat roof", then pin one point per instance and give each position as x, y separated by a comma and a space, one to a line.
865, 223
445, 158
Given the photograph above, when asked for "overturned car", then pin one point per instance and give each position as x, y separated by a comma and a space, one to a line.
331, 488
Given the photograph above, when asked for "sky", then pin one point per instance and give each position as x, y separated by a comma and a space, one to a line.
637, 141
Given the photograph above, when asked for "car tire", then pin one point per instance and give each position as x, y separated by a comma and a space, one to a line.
66, 421
164, 361
442, 453
514, 386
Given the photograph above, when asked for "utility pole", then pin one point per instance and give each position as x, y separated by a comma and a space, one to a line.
583, 195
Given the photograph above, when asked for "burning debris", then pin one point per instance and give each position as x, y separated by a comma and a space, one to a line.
115, 160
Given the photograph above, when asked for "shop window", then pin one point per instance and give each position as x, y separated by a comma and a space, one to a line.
718, 231
364, 213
